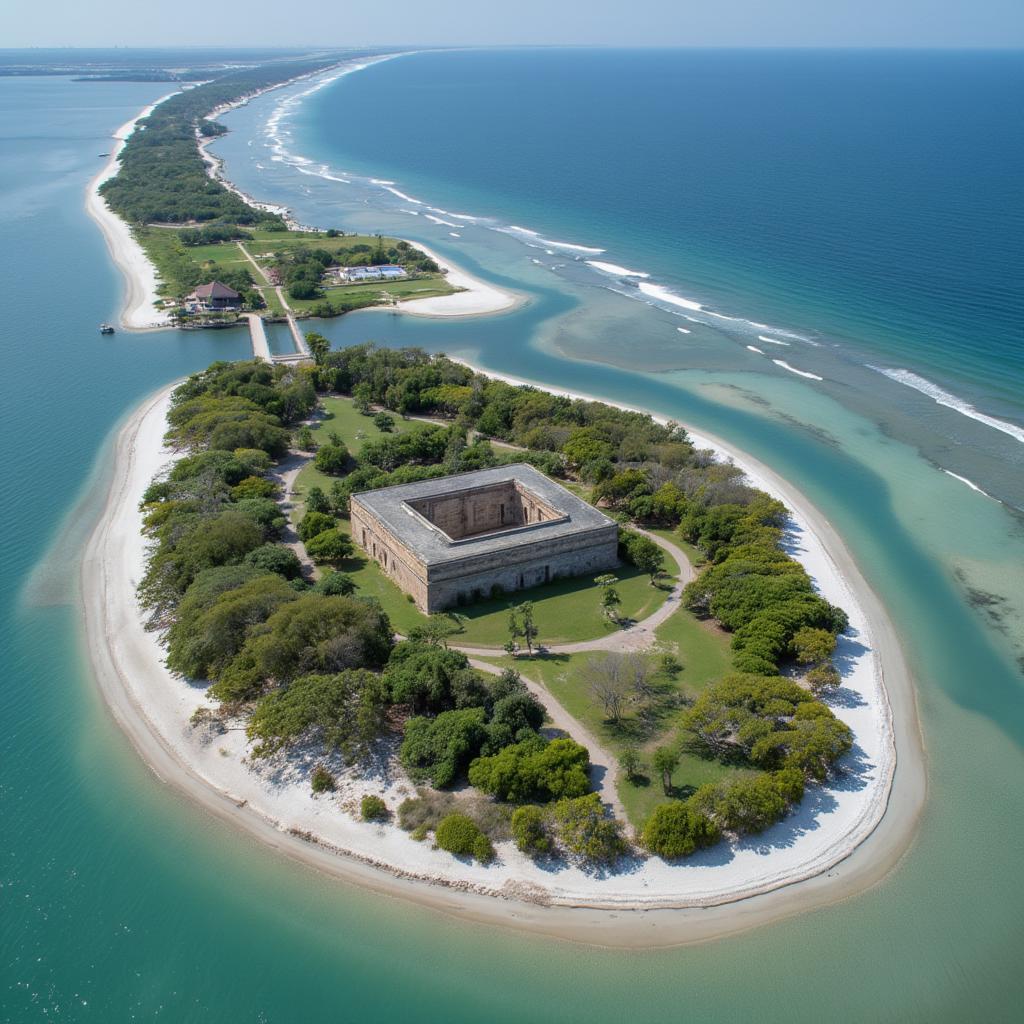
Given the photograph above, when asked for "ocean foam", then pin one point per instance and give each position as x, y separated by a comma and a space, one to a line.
793, 369
438, 220
402, 195
771, 341
754, 348
683, 330
531, 237
943, 397
614, 268
970, 483
662, 294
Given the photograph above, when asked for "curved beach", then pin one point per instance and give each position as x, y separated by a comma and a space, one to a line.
841, 839
138, 311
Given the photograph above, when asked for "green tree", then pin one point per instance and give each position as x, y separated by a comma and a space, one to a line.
676, 830
335, 584
275, 558
460, 835
362, 396
330, 547
586, 831
313, 523
305, 440
530, 830
813, 646
318, 346
332, 459
665, 761
316, 501
642, 552
631, 763
521, 624
438, 749
610, 599
373, 808
384, 422
344, 711
535, 769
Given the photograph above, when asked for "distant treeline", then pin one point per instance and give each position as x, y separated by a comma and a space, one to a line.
163, 178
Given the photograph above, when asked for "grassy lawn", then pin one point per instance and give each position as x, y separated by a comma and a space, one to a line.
704, 653
173, 260
564, 610
417, 288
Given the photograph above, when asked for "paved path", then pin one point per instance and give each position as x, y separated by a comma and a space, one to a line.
637, 637
258, 336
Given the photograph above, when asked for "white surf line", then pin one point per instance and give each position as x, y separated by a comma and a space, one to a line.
683, 330
793, 369
754, 348
949, 400
970, 483
615, 269
772, 341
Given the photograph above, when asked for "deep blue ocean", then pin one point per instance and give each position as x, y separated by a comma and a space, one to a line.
865, 209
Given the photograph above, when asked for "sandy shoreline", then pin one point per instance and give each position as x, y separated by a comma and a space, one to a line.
839, 841
138, 310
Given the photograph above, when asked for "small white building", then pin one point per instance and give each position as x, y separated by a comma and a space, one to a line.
389, 272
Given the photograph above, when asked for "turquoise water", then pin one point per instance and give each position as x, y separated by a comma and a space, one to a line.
122, 901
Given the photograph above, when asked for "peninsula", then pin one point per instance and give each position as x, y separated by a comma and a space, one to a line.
174, 225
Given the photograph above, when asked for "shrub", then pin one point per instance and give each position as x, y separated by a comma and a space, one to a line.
676, 829
336, 584
439, 748
529, 830
750, 805
587, 832
313, 523
277, 559
419, 833
373, 808
322, 780
823, 677
535, 769
330, 546
332, 459
461, 836
253, 487
425, 810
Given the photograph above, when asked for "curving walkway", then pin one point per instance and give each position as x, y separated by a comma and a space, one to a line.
637, 637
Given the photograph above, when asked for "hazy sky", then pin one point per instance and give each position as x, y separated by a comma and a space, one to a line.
946, 23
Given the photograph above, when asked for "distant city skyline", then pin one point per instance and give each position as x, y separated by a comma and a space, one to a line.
324, 23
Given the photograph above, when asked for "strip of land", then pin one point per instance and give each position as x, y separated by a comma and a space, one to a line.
819, 837
142, 284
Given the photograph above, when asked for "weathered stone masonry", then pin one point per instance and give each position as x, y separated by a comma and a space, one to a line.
463, 537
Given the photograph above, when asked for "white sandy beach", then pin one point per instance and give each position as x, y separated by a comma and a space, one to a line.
814, 844
477, 298
139, 310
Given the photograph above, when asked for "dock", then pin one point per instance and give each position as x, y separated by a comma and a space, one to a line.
258, 336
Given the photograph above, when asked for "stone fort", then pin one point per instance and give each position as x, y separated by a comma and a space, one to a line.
460, 538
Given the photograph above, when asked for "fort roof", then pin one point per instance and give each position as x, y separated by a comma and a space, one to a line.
394, 508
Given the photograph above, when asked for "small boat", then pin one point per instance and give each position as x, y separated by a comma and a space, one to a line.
106, 329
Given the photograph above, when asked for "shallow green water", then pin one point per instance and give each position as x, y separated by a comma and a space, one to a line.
119, 900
